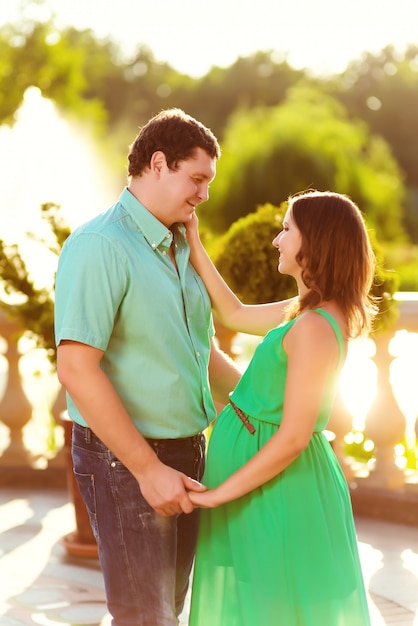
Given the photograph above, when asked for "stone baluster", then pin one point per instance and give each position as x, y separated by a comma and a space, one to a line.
408, 320
384, 424
15, 408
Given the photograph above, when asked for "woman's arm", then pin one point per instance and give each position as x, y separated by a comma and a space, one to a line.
313, 352
255, 319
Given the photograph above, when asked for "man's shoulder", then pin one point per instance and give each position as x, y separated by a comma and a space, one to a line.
107, 226
102, 221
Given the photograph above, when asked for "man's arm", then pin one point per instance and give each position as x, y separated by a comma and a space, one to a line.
78, 367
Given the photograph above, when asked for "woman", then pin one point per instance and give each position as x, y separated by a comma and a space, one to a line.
277, 541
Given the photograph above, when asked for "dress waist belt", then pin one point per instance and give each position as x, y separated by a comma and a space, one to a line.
244, 419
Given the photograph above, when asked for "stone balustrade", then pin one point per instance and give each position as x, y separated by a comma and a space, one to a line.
389, 411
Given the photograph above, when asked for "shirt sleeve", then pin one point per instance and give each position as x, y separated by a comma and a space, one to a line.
90, 285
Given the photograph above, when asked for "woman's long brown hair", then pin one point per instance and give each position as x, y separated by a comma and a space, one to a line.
336, 256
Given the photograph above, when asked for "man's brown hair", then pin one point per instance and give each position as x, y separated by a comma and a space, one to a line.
175, 133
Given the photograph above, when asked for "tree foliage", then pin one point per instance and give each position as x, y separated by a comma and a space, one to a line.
22, 299
90, 76
382, 89
247, 260
257, 80
38, 55
307, 142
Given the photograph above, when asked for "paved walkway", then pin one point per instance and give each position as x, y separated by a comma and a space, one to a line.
41, 585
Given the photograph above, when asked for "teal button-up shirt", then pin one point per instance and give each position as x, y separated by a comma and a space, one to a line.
117, 290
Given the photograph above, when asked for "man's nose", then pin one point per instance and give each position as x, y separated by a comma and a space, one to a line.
203, 193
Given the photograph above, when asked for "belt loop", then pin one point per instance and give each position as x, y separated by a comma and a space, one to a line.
87, 435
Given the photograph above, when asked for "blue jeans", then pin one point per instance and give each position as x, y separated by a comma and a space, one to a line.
145, 558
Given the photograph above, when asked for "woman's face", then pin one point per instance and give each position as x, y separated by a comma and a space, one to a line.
288, 242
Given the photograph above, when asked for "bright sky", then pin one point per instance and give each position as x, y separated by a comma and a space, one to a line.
193, 36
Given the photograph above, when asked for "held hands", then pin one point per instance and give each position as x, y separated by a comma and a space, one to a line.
168, 491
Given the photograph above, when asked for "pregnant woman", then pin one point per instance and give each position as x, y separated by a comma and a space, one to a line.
277, 543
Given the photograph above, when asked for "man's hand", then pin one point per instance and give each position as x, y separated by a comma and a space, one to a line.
167, 490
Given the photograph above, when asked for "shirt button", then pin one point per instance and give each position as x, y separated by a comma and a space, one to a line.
168, 236
197, 353
113, 464
153, 246
164, 252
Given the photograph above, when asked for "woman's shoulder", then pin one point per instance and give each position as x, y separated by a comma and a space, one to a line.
314, 321
321, 329
324, 317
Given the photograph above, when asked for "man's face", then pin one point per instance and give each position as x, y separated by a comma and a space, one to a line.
183, 189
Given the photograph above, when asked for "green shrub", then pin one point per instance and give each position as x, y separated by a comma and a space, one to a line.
247, 260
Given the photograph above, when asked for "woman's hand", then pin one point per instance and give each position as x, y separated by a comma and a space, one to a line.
192, 228
205, 500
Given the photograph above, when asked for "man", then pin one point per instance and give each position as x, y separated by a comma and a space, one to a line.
136, 354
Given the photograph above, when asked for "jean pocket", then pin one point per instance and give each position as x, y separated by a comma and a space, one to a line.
87, 489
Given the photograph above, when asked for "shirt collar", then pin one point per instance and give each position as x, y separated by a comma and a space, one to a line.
156, 234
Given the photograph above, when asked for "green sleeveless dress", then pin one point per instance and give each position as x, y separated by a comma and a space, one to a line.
286, 553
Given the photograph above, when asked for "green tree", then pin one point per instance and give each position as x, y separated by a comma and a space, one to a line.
307, 142
382, 89
86, 76
37, 54
91, 77
22, 298
261, 79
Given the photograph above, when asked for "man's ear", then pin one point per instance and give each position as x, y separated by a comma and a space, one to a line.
157, 162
